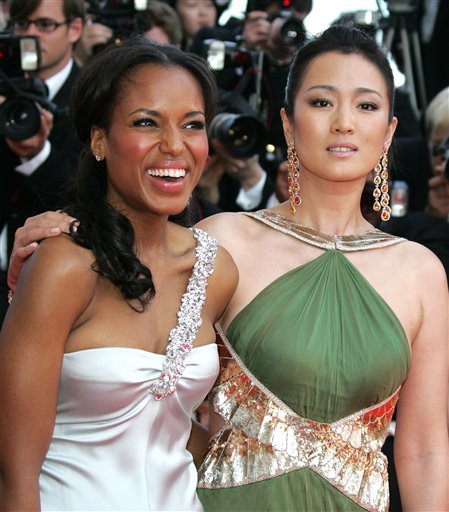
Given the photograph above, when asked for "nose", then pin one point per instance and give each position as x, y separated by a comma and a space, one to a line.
171, 142
343, 122
30, 31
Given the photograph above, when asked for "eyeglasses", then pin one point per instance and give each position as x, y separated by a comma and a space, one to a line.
45, 25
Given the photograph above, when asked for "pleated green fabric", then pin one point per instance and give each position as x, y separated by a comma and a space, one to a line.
324, 342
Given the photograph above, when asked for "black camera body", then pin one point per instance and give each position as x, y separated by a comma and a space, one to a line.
18, 54
237, 127
291, 31
121, 16
225, 54
20, 116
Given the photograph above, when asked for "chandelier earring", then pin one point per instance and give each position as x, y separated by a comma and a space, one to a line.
380, 193
293, 177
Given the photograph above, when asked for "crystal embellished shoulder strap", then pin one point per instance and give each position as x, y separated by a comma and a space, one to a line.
263, 438
181, 338
372, 239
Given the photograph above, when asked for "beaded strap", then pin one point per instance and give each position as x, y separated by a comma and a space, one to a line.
181, 338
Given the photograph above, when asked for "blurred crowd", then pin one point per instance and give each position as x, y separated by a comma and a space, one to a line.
249, 44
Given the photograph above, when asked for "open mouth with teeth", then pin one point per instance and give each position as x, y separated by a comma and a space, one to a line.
167, 174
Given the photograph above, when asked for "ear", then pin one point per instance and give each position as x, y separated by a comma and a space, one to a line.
96, 141
287, 125
390, 132
75, 30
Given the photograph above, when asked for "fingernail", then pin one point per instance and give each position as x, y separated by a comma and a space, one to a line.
55, 230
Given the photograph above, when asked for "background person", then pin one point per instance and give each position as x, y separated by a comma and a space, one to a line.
437, 129
36, 169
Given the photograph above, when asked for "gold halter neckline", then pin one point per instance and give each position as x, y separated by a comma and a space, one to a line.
372, 239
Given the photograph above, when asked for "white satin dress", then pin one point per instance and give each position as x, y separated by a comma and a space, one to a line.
124, 417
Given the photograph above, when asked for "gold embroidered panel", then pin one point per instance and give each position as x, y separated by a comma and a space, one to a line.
263, 438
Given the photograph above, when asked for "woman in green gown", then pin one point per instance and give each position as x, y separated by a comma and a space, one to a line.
332, 322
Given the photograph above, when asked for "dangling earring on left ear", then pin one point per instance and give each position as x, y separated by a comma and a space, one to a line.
380, 193
293, 177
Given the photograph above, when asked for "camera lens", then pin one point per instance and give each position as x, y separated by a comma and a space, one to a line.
292, 32
242, 135
19, 118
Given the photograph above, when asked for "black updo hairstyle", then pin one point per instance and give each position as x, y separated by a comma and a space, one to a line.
341, 38
103, 229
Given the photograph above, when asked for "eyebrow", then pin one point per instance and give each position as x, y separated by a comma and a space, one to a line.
155, 113
335, 89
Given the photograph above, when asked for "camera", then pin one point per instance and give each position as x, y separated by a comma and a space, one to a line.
237, 127
20, 111
119, 15
443, 150
18, 54
225, 54
291, 31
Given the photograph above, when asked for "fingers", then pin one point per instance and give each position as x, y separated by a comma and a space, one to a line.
18, 257
45, 225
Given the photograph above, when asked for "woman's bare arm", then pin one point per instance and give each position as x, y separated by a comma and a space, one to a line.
421, 440
35, 229
55, 288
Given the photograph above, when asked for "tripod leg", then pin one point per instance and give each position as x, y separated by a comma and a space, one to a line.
419, 70
410, 81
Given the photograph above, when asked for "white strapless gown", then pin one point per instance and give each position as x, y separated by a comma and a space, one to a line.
123, 417
114, 446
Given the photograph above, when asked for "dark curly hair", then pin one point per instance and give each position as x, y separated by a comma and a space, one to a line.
103, 229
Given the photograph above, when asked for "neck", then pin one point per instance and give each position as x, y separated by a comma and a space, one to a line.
331, 207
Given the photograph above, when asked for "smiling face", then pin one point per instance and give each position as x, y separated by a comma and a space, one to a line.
156, 145
340, 120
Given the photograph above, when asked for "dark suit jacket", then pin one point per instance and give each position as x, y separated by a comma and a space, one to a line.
23, 196
230, 188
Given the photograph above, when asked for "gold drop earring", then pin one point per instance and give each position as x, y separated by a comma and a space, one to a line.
380, 193
293, 177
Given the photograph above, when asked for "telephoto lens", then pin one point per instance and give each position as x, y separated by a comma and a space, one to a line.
242, 135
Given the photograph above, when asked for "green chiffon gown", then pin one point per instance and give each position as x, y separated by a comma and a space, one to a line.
310, 375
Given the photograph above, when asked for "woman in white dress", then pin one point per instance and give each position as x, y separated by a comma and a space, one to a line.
108, 346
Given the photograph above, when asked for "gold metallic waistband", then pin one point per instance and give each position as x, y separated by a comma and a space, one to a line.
263, 438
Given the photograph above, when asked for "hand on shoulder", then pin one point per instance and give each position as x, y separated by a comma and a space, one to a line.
57, 277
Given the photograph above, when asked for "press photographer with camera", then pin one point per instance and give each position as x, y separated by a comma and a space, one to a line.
108, 22
251, 59
234, 178
437, 128
35, 169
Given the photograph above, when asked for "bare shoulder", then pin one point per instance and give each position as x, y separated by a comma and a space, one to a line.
59, 269
229, 227
420, 263
61, 255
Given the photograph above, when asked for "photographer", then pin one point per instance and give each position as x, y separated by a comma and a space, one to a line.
256, 59
35, 170
109, 22
234, 178
437, 128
